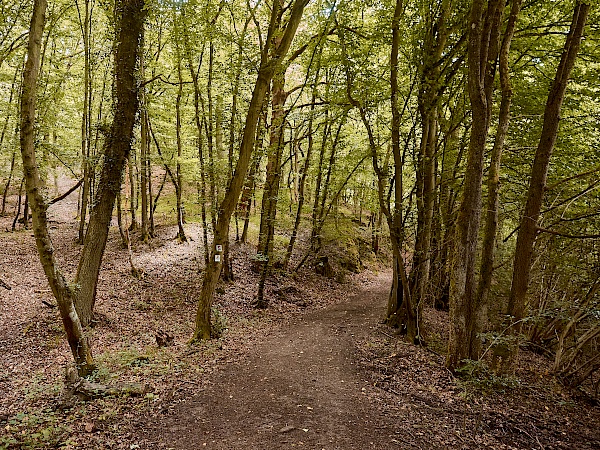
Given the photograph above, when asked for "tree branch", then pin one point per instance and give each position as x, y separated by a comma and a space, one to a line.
566, 235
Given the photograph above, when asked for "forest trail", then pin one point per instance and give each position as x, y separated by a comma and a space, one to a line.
300, 388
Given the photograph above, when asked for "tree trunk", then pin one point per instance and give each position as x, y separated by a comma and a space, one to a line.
85, 23
465, 310
14, 224
402, 311
245, 204
315, 238
14, 153
430, 91
179, 183
145, 178
234, 111
304, 175
493, 195
132, 166
116, 150
198, 119
7, 185
271, 189
209, 126
539, 171
267, 68
273, 176
60, 288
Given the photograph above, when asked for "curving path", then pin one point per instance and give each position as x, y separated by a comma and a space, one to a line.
300, 388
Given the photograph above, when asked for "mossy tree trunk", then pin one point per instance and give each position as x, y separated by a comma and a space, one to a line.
269, 64
63, 292
117, 146
465, 310
528, 229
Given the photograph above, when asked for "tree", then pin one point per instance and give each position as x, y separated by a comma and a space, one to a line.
466, 312
63, 292
75, 300
268, 65
529, 229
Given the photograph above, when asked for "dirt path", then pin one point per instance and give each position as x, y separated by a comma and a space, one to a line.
299, 388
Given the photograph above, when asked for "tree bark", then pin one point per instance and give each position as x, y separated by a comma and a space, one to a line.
179, 183
14, 153
145, 171
273, 175
198, 119
61, 289
273, 178
85, 23
116, 150
430, 92
493, 195
539, 172
464, 306
303, 176
250, 183
267, 68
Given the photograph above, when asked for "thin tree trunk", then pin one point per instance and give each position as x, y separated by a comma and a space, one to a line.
145, 181
18, 213
124, 235
132, 165
303, 177
267, 68
326, 186
7, 186
14, 153
250, 183
315, 239
234, 110
179, 185
402, 310
271, 190
209, 126
26, 210
539, 172
198, 119
493, 196
85, 23
60, 287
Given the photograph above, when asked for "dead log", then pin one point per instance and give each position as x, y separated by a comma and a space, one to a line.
76, 386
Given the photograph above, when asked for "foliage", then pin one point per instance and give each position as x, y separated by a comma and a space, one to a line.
340, 58
476, 378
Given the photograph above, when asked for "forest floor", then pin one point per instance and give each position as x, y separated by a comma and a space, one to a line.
316, 370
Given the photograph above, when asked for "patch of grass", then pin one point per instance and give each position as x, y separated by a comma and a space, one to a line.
36, 428
141, 305
122, 360
477, 378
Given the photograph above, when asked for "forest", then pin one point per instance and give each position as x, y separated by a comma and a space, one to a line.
299, 223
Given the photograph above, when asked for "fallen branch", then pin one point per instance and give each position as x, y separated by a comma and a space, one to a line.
4, 284
88, 390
